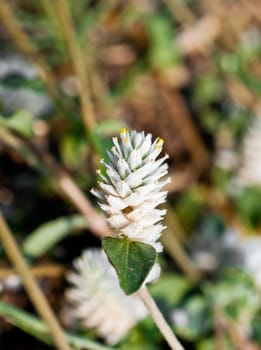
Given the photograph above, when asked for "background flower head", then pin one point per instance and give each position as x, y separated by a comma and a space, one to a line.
97, 300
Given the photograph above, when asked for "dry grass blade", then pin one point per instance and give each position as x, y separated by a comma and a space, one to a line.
37, 297
78, 62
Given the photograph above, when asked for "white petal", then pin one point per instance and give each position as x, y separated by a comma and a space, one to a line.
118, 221
112, 174
98, 194
145, 146
123, 189
108, 189
135, 159
116, 202
134, 180
123, 168
117, 146
109, 210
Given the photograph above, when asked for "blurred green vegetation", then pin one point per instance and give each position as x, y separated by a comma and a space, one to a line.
187, 71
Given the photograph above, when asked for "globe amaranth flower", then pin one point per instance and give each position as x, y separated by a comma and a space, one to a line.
97, 300
130, 189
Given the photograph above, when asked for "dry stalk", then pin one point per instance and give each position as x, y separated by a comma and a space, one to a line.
171, 240
78, 62
66, 185
43, 271
183, 121
159, 320
36, 295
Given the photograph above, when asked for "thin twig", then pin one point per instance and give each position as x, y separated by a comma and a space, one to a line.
66, 185
96, 222
159, 319
27, 47
35, 293
43, 271
171, 241
183, 121
66, 22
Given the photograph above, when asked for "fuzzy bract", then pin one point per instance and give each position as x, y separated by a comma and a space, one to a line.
97, 300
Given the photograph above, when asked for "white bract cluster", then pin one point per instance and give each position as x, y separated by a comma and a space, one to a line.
130, 190
97, 300
249, 173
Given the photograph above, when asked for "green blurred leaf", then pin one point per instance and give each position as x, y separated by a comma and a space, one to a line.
20, 122
162, 52
207, 89
49, 234
171, 288
198, 318
248, 204
32, 325
74, 148
132, 261
210, 344
207, 344
188, 209
145, 333
236, 294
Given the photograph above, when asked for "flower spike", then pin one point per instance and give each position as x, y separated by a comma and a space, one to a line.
131, 189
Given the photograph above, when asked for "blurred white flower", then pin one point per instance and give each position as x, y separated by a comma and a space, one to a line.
249, 173
97, 300
251, 248
130, 190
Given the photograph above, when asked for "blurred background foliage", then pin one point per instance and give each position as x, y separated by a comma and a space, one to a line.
72, 74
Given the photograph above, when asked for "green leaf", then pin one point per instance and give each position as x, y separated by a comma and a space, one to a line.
132, 261
248, 204
162, 52
32, 325
20, 122
171, 288
197, 319
74, 150
49, 234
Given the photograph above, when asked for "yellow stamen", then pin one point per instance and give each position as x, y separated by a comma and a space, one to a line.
126, 140
123, 131
159, 144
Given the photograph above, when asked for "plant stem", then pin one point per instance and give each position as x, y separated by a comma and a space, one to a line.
67, 26
159, 320
171, 240
46, 271
37, 297
65, 185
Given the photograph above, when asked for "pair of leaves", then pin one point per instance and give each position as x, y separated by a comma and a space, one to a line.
132, 261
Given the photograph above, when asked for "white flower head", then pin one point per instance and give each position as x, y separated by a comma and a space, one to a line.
130, 191
97, 300
249, 173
